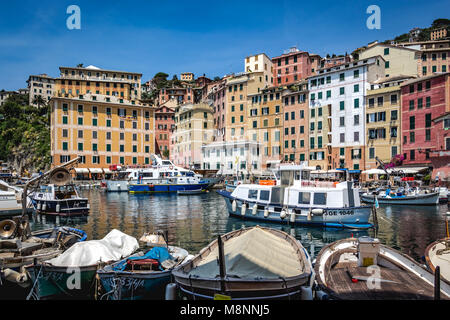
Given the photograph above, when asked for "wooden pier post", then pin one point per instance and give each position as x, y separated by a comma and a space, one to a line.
221, 264
437, 283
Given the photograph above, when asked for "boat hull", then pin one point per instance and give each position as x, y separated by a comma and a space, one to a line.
149, 188
421, 200
117, 185
67, 207
134, 286
63, 282
350, 217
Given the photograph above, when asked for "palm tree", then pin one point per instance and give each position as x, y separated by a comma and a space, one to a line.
39, 101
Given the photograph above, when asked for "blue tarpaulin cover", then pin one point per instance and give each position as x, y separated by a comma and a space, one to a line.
158, 253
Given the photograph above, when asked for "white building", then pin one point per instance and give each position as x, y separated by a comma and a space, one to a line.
231, 158
344, 88
40, 85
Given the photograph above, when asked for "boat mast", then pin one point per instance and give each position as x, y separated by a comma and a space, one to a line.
222, 269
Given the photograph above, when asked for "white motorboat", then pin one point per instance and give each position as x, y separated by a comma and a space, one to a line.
295, 199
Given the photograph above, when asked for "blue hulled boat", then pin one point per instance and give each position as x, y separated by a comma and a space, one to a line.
141, 275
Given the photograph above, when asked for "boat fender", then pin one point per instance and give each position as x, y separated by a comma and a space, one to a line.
233, 206
317, 212
58, 207
266, 213
309, 215
88, 206
321, 295
283, 214
44, 206
39, 206
306, 293
255, 209
171, 291
292, 217
243, 209
16, 277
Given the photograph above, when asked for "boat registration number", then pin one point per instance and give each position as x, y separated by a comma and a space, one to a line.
339, 213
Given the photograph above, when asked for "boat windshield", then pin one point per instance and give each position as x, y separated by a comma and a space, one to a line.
45, 189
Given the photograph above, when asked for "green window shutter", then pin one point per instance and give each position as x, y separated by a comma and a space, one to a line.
80, 146
94, 122
80, 121
64, 118
64, 146
108, 123
342, 105
386, 64
108, 147
342, 90
356, 103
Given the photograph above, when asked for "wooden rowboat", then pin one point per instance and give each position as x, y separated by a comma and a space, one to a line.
364, 269
254, 263
438, 254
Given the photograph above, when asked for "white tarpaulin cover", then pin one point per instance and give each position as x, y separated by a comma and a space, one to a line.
114, 246
255, 253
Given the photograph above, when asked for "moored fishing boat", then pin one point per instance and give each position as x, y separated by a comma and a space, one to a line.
141, 275
254, 263
297, 200
438, 254
73, 273
61, 200
364, 269
17, 252
421, 199
191, 192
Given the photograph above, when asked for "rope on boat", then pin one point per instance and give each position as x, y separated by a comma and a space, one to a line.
192, 288
34, 284
285, 286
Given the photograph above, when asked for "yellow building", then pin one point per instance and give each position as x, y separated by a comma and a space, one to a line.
399, 61
103, 131
194, 128
265, 125
78, 81
383, 121
187, 76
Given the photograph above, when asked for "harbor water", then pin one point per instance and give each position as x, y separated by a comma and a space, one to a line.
194, 221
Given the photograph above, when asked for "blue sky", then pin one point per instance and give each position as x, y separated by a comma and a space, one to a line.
211, 37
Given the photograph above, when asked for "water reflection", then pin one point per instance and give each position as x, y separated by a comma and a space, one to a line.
194, 221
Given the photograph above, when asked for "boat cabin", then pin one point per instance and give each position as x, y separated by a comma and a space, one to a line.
54, 192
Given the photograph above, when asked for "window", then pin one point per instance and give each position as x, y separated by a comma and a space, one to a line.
356, 119
356, 88
356, 136
253, 194
356, 103
80, 146
342, 105
412, 137
264, 195
386, 51
80, 121
427, 134
371, 153
320, 198
356, 74
342, 137
412, 155
342, 77
411, 104
65, 146
412, 123
342, 121
64, 120
386, 64
342, 90
427, 102
304, 198
94, 122
393, 99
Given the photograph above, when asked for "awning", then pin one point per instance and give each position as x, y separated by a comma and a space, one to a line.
106, 170
81, 170
273, 161
408, 170
354, 171
95, 170
374, 171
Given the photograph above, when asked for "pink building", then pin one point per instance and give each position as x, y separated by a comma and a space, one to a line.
440, 158
294, 66
217, 96
181, 95
164, 124
423, 100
